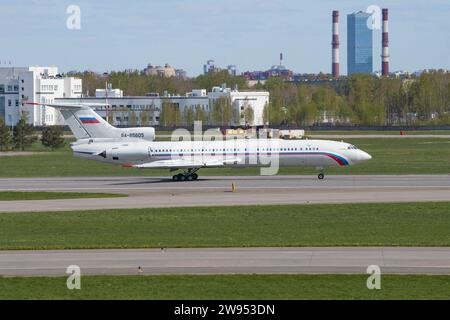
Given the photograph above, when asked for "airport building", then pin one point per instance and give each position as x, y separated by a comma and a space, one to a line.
359, 44
34, 84
146, 110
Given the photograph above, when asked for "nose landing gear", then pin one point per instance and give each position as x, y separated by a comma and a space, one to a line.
321, 175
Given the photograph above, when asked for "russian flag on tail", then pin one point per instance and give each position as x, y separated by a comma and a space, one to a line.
86, 120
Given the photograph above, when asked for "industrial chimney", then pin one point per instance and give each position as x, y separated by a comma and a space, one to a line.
335, 45
385, 45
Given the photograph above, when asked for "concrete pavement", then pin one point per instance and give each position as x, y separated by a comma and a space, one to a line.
340, 260
148, 192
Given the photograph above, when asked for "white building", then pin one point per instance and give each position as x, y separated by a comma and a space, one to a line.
241, 101
139, 110
34, 84
145, 110
108, 93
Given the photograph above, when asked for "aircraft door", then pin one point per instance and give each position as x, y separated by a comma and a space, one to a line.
150, 152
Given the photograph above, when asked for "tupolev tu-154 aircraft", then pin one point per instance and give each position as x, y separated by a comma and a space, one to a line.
135, 147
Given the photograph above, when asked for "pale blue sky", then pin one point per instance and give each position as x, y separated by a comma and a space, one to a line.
117, 34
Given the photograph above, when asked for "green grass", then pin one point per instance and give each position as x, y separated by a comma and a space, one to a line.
390, 156
37, 146
200, 287
38, 195
405, 224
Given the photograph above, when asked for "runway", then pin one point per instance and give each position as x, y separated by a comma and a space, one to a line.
227, 261
147, 192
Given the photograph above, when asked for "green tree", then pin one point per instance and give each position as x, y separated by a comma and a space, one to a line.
170, 114
166, 114
266, 114
222, 112
52, 137
199, 114
146, 115
132, 118
188, 116
208, 81
23, 136
5, 136
249, 115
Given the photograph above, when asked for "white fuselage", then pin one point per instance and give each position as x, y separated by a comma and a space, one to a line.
249, 152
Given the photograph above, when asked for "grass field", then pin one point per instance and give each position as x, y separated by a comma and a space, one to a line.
19, 195
228, 287
390, 156
406, 224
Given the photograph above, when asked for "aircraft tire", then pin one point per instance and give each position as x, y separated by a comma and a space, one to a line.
181, 177
194, 176
321, 176
189, 177
175, 178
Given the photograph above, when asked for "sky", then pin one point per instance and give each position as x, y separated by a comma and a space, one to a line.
118, 34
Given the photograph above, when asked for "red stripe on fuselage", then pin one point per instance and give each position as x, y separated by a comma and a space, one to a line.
341, 163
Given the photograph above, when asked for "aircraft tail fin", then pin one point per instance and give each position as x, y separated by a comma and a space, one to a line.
83, 121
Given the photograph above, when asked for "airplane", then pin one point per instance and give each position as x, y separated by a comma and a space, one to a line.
135, 148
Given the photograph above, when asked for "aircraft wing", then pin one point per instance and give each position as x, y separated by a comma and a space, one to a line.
187, 163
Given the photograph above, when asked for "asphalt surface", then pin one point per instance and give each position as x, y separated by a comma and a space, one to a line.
147, 192
227, 261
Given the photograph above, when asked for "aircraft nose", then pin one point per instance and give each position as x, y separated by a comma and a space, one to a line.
364, 156
360, 156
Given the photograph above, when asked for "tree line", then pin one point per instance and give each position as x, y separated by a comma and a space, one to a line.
137, 83
356, 100
362, 100
23, 135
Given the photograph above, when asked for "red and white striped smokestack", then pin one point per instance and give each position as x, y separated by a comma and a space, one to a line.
385, 45
335, 45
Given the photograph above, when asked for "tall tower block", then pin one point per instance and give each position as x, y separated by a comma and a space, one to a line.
335, 45
385, 45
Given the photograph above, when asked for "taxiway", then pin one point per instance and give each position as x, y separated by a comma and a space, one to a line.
147, 192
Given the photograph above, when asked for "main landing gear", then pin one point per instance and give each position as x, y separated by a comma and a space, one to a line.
188, 175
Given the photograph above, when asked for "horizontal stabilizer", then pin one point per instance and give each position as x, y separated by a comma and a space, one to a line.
71, 106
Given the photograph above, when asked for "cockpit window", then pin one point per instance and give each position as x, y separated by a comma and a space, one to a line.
351, 147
